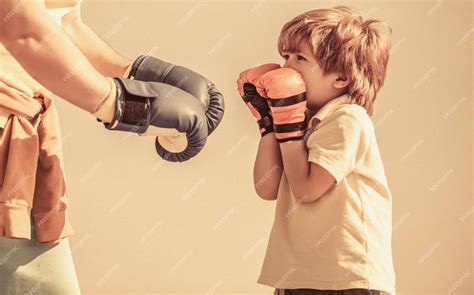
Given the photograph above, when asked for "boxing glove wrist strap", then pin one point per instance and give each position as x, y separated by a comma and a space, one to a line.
131, 109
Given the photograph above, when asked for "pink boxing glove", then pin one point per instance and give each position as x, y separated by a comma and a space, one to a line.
285, 91
257, 104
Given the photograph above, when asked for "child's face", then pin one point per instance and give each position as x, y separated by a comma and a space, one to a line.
320, 87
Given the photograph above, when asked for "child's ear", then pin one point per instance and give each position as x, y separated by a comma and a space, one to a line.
341, 82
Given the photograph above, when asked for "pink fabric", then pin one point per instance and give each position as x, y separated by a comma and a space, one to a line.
32, 175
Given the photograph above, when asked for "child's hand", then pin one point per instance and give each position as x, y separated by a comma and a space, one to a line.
286, 93
257, 104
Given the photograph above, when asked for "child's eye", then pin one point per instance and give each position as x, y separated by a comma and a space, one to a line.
286, 56
299, 57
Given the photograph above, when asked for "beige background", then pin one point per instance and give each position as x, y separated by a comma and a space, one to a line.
145, 225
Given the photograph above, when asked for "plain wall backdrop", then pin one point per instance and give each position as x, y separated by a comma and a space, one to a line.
143, 225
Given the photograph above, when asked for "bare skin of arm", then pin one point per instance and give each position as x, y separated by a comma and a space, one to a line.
101, 55
268, 168
308, 181
71, 60
46, 52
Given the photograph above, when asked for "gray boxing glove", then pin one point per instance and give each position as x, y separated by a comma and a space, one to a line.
141, 106
148, 68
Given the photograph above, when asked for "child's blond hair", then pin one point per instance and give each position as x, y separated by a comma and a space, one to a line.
343, 42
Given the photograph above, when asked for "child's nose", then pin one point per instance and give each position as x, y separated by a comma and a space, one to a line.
288, 64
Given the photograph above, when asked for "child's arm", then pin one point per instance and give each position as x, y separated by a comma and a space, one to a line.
268, 165
285, 90
308, 181
268, 168
330, 153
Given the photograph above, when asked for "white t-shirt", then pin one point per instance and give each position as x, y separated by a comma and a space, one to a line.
343, 239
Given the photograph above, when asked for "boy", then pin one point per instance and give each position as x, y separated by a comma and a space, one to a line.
318, 156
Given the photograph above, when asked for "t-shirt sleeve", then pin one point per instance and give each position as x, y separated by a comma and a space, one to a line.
338, 144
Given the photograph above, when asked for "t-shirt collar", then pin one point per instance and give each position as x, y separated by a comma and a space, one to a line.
328, 108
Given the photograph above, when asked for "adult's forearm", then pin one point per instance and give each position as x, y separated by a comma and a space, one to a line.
44, 50
101, 55
268, 167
